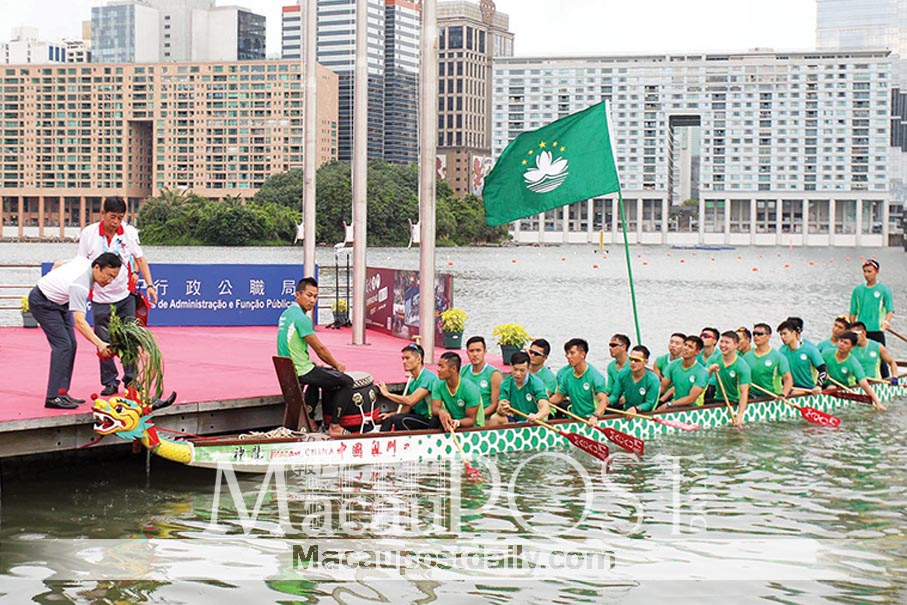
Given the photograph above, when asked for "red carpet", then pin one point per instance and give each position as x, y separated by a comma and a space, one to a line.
201, 364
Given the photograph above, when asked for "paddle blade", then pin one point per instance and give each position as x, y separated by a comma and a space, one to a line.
628, 442
590, 446
819, 417
473, 473
848, 395
677, 424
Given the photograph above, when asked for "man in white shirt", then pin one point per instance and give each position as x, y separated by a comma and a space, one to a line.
112, 235
63, 290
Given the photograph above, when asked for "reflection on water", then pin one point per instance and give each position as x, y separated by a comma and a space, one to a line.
784, 512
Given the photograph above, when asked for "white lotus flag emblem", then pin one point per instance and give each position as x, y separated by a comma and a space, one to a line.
547, 174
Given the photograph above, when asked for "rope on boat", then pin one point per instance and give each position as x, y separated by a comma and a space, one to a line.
283, 432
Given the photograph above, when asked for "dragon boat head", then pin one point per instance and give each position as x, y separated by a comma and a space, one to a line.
126, 416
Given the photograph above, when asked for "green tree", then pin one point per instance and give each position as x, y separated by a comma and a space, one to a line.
284, 189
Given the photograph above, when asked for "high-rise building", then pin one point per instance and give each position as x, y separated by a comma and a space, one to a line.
401, 83
227, 33
127, 31
215, 128
793, 147
337, 52
873, 25
25, 47
471, 35
78, 51
291, 32
140, 31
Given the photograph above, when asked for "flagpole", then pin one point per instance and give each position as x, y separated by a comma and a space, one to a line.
623, 227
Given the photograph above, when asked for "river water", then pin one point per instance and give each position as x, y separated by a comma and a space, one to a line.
783, 512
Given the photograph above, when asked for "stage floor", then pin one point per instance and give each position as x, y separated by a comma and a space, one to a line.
201, 364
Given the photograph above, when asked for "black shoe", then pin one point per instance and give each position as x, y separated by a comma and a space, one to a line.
72, 399
110, 389
60, 403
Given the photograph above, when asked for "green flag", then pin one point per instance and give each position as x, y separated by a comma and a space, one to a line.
561, 163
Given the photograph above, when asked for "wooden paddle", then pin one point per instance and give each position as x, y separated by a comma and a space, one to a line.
675, 424
590, 446
628, 442
471, 471
839, 394
845, 392
809, 414
727, 401
891, 331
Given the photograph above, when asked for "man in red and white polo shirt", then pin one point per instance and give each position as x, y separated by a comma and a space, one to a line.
112, 235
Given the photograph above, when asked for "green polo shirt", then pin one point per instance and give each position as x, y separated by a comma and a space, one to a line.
663, 361
525, 398
733, 376
482, 380
684, 379
425, 380
767, 370
548, 379
466, 396
803, 362
581, 390
641, 394
613, 371
292, 328
870, 358
871, 305
848, 372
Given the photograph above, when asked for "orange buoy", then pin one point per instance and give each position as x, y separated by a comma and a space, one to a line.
513, 260
811, 263
786, 266
595, 266
739, 258
755, 268
683, 261
713, 259
450, 263
563, 258
644, 263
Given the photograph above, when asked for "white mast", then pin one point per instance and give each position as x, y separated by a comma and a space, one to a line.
311, 128
428, 134
360, 166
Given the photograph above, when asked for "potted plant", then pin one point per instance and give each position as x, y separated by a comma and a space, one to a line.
341, 312
511, 337
453, 322
28, 320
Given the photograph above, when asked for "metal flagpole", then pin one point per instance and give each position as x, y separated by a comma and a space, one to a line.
428, 132
310, 124
623, 226
360, 166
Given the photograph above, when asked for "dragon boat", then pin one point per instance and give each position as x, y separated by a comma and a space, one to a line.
132, 420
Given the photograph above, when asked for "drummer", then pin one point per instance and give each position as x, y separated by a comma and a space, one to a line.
295, 334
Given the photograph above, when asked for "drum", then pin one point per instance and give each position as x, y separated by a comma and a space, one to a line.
360, 414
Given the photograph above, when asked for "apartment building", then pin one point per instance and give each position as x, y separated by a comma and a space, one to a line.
75, 134
793, 148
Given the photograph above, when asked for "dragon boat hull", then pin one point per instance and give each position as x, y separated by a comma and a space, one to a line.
260, 455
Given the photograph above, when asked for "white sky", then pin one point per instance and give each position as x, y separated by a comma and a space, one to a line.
546, 27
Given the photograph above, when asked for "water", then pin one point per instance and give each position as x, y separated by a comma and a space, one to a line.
783, 512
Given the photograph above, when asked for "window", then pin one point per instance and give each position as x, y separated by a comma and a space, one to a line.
713, 220
818, 216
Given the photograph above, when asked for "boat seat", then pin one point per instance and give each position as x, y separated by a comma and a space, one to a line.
296, 414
